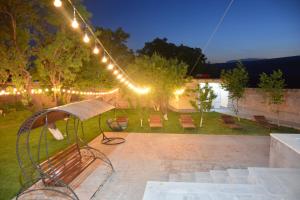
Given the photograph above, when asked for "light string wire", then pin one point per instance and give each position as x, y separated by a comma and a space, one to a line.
213, 34
90, 29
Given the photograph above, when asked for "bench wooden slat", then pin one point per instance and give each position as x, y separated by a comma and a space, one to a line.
65, 165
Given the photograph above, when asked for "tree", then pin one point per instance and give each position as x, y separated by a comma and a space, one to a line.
28, 28
182, 53
59, 61
23, 24
164, 75
204, 98
235, 82
273, 87
116, 44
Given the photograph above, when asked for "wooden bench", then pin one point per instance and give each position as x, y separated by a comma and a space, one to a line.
65, 166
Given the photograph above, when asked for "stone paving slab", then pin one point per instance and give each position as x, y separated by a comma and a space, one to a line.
153, 157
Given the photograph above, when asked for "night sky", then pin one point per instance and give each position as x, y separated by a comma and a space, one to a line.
251, 29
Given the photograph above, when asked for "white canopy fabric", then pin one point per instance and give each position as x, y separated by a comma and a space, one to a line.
85, 109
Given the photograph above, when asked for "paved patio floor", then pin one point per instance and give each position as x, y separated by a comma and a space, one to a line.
146, 157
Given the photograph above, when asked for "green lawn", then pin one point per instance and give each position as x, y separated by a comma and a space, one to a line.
9, 170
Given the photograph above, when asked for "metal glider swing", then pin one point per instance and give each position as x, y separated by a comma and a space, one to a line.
58, 175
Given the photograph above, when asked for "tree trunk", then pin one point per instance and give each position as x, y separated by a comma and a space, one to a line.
201, 120
277, 112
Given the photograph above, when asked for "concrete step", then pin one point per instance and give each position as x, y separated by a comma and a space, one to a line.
277, 180
203, 191
182, 177
238, 176
219, 176
203, 177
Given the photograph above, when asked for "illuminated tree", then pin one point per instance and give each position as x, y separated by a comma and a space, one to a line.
203, 102
164, 76
235, 82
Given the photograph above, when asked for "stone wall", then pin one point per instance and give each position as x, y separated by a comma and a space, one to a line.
253, 103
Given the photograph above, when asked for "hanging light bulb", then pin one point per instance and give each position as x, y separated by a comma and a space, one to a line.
96, 50
119, 76
110, 66
122, 80
86, 38
75, 24
57, 3
104, 59
116, 72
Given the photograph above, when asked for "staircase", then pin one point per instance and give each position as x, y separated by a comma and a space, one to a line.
231, 184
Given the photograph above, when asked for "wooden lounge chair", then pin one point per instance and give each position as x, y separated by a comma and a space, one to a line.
186, 121
155, 121
230, 122
264, 122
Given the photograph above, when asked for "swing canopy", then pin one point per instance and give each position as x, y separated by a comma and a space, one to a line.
33, 146
82, 110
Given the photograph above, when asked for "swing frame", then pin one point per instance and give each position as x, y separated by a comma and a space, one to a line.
33, 174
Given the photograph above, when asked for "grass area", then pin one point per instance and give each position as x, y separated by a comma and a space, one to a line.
9, 125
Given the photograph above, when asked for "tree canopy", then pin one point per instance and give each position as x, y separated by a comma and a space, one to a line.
165, 75
235, 81
182, 53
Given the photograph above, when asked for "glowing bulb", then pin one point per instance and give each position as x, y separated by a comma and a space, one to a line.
104, 59
179, 91
122, 80
116, 72
86, 38
119, 76
96, 50
75, 23
57, 3
110, 66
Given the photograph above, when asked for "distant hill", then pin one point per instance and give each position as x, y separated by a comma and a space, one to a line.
245, 59
290, 66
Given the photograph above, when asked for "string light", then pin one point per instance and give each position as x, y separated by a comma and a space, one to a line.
113, 65
86, 38
119, 76
57, 3
122, 80
116, 72
42, 91
96, 50
110, 66
104, 59
75, 24
179, 91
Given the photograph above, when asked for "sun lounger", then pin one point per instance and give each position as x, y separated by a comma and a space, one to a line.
230, 122
155, 121
264, 122
186, 121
